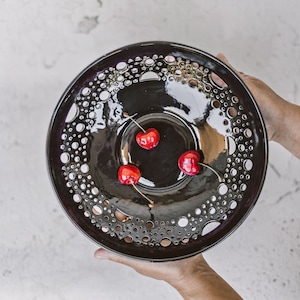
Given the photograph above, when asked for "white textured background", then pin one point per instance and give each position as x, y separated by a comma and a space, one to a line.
43, 46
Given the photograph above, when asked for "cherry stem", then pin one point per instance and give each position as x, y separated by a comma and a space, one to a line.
126, 115
151, 202
213, 170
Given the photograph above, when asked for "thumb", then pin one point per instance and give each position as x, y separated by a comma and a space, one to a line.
223, 58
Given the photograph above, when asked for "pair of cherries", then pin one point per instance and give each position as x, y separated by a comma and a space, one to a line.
147, 139
188, 162
130, 174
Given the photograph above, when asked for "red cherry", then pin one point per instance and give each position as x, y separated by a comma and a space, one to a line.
188, 162
129, 174
148, 139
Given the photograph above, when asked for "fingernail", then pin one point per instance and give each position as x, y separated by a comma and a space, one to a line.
99, 254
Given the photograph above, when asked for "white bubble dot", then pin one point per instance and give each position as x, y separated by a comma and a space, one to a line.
80, 127
169, 58
222, 189
92, 115
183, 221
104, 95
87, 214
101, 76
248, 133
149, 62
121, 66
243, 187
84, 140
212, 210
197, 211
97, 210
76, 198
84, 168
233, 204
65, 157
72, 176
95, 191
248, 164
86, 91
75, 145
233, 172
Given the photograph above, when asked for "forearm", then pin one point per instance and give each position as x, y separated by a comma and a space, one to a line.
288, 133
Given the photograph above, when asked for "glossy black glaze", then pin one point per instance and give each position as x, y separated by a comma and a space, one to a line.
167, 108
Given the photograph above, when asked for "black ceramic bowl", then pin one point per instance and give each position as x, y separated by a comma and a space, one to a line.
196, 103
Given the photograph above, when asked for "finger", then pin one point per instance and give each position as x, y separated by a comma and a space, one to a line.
220, 82
101, 254
104, 254
155, 270
223, 58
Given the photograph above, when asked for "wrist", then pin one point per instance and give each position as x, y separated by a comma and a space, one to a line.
190, 277
199, 281
280, 121
288, 134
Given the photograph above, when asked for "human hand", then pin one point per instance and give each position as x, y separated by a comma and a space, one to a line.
171, 271
192, 277
282, 118
272, 106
